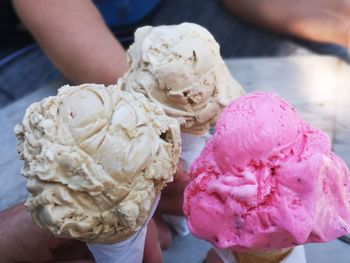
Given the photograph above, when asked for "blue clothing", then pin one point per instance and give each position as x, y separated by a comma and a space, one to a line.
120, 13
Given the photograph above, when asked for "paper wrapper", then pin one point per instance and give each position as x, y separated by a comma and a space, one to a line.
287, 255
129, 250
192, 146
178, 223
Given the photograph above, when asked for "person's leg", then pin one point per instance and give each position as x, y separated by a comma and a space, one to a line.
24, 73
321, 21
236, 37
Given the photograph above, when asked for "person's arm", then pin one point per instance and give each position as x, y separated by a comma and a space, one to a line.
316, 20
75, 38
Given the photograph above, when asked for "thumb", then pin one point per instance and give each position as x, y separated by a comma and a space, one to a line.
152, 252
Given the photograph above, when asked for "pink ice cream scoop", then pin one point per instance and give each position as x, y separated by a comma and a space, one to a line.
267, 180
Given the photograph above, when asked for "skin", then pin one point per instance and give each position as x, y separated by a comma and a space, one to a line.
171, 203
172, 195
213, 257
84, 50
22, 241
315, 20
153, 251
75, 38
164, 233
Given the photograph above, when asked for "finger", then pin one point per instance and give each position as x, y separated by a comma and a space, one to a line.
164, 232
27, 242
171, 205
24, 240
213, 257
174, 188
179, 170
72, 250
181, 175
152, 252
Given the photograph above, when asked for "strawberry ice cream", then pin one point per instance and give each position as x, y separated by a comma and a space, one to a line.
267, 180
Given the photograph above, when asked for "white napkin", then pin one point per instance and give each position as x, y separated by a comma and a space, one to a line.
129, 250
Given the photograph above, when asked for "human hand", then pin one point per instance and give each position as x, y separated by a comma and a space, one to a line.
22, 241
170, 203
172, 197
152, 252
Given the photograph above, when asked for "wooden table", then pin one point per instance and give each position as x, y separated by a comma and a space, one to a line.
319, 87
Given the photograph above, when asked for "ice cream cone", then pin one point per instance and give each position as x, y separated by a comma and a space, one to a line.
263, 179
130, 250
262, 256
180, 68
89, 174
286, 255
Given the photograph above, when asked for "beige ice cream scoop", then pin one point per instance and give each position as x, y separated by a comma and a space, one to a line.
180, 68
96, 158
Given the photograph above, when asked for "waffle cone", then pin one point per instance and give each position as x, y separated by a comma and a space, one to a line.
262, 256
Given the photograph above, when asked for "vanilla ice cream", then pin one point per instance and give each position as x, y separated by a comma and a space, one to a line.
180, 68
96, 158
